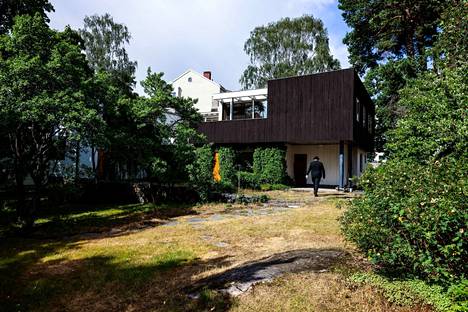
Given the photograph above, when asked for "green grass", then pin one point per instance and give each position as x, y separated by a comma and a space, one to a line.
62, 268
408, 292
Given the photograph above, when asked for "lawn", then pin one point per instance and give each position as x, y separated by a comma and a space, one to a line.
148, 258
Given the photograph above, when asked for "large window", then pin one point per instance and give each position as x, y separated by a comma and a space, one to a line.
252, 109
242, 110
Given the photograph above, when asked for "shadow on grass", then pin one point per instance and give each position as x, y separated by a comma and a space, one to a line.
105, 283
65, 221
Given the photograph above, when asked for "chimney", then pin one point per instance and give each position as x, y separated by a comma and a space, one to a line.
207, 74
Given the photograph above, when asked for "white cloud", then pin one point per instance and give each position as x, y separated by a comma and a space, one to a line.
171, 36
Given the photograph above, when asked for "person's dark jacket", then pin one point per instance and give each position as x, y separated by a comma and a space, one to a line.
316, 169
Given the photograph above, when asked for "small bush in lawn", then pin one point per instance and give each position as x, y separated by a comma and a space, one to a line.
248, 180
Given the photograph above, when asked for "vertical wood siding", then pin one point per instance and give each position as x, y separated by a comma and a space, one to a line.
312, 109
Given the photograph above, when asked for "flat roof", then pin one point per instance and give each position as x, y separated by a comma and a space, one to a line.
257, 94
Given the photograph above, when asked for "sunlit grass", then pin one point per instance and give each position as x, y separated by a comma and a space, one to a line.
149, 268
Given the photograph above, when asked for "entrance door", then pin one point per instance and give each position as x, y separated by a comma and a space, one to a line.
300, 169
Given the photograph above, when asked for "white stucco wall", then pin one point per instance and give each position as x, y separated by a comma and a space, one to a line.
357, 168
199, 88
328, 155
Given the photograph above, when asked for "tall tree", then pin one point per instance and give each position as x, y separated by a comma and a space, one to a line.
105, 42
105, 47
157, 133
389, 41
11, 8
288, 47
44, 79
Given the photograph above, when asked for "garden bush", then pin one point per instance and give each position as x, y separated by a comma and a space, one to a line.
269, 165
227, 169
201, 172
413, 217
248, 180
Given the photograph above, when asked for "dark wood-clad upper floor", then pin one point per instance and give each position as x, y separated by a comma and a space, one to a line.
321, 108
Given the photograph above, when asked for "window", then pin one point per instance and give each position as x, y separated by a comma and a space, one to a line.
261, 109
225, 111
189, 79
246, 109
370, 124
242, 110
361, 162
179, 92
358, 110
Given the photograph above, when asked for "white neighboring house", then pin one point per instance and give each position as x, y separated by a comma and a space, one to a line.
199, 86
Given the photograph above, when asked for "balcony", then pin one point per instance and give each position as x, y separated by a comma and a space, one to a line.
242, 105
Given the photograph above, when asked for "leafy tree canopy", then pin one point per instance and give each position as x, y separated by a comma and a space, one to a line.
390, 29
285, 48
412, 219
44, 94
105, 42
391, 42
11, 8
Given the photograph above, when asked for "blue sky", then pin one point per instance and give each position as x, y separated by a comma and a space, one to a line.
171, 36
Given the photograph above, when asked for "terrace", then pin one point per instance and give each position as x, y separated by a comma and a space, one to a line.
241, 105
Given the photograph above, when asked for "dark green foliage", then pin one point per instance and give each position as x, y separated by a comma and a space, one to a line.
45, 92
248, 180
201, 172
459, 294
289, 47
227, 168
451, 47
413, 218
392, 41
414, 215
269, 165
9, 9
389, 29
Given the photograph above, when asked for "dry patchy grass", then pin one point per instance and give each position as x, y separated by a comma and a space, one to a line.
150, 268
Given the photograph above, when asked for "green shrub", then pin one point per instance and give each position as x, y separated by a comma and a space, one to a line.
273, 187
459, 295
413, 218
227, 168
409, 292
248, 180
269, 165
201, 172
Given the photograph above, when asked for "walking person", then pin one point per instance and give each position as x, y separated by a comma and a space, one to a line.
317, 171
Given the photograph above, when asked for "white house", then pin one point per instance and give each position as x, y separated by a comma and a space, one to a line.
201, 87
